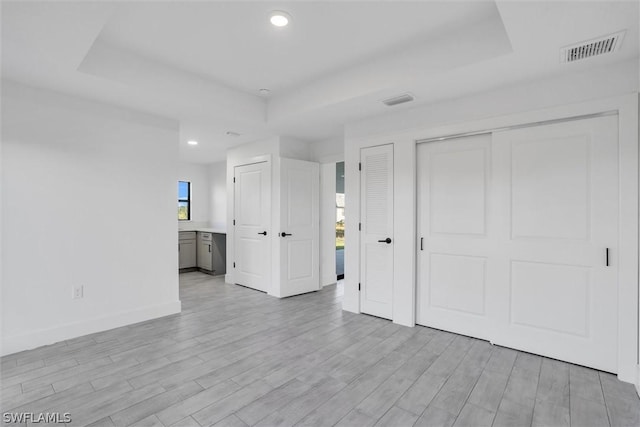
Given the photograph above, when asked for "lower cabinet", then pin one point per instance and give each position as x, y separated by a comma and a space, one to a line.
212, 250
205, 251
219, 249
187, 249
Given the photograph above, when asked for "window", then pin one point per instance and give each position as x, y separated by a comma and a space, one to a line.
184, 200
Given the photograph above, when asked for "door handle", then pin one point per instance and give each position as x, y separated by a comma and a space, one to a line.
209, 248
422, 243
264, 233
607, 257
283, 234
387, 240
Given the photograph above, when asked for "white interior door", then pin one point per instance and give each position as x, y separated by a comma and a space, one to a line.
520, 239
456, 235
299, 227
560, 214
252, 216
376, 236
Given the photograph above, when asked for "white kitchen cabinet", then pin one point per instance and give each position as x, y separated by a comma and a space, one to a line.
187, 249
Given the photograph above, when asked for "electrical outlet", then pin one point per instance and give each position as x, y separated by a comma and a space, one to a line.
78, 292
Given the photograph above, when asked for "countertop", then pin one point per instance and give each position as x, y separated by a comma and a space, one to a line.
205, 229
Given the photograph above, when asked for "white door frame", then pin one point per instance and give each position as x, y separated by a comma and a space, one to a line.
405, 142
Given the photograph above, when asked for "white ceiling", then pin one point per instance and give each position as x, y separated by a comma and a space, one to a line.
202, 63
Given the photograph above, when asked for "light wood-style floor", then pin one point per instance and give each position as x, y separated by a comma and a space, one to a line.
237, 357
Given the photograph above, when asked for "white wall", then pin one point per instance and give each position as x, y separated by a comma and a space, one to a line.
88, 198
218, 194
598, 90
329, 150
198, 176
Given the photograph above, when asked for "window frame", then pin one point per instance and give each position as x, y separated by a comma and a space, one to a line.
187, 200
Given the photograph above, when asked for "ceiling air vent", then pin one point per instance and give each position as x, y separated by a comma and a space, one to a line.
589, 48
400, 99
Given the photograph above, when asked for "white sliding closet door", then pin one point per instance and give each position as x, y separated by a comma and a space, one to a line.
520, 237
456, 247
376, 236
560, 213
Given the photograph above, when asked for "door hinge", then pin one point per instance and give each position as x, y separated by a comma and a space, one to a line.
234, 179
359, 166
234, 222
234, 265
358, 286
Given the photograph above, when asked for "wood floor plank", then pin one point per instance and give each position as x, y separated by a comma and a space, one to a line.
588, 413
150, 421
100, 405
585, 383
385, 396
204, 398
356, 418
272, 401
24, 398
216, 412
231, 421
298, 408
547, 413
186, 422
623, 405
396, 417
489, 390
553, 384
511, 414
433, 416
474, 416
154, 404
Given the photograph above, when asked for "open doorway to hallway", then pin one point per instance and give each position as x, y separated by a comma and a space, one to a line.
340, 220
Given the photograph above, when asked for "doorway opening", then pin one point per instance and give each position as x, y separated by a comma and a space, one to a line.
340, 220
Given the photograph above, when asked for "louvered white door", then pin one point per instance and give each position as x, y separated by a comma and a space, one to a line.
376, 236
252, 237
299, 227
457, 235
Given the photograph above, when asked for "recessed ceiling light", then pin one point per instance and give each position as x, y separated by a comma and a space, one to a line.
279, 18
192, 142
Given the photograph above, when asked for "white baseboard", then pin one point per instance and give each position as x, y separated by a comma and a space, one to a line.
228, 278
31, 340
